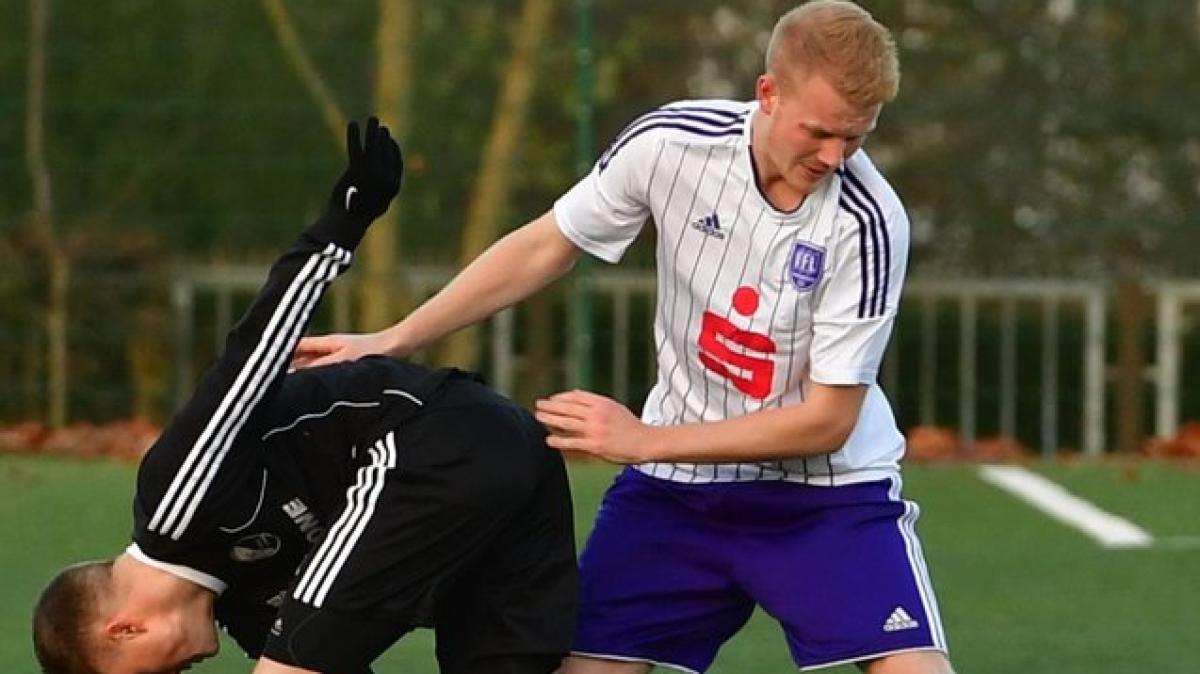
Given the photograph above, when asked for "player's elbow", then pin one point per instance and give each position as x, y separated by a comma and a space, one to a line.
550, 252
823, 437
835, 411
837, 431
561, 260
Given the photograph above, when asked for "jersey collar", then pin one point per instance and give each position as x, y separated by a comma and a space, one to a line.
216, 585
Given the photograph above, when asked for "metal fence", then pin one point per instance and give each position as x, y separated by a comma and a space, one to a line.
1011, 358
965, 299
1173, 298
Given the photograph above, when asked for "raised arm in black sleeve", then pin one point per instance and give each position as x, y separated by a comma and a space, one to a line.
198, 462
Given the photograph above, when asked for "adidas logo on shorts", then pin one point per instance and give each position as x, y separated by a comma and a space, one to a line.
899, 620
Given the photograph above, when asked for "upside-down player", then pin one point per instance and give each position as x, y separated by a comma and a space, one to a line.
319, 516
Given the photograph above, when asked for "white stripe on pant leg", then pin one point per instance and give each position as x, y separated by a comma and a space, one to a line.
390, 439
929, 598
337, 560
355, 502
362, 523
916, 560
921, 569
279, 347
312, 572
359, 506
902, 527
169, 506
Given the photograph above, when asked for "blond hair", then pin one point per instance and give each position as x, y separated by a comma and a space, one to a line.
841, 41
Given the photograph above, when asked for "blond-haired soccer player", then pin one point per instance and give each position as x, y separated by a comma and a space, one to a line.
765, 467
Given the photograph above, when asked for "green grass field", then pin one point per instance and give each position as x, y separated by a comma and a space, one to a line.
1019, 593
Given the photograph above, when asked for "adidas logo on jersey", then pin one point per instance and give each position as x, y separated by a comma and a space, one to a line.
710, 225
899, 620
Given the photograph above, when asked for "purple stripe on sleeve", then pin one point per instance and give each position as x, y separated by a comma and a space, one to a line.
862, 255
863, 196
865, 217
690, 128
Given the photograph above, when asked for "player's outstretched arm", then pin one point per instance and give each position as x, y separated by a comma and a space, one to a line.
182, 465
602, 427
512, 269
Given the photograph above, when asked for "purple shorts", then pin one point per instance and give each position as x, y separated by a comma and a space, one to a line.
671, 571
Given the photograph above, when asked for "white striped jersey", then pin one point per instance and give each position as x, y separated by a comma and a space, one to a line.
754, 304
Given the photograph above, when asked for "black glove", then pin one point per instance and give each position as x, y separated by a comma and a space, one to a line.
372, 178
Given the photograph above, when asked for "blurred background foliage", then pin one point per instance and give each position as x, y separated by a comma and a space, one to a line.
1031, 138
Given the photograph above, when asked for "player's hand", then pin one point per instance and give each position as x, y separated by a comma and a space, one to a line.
329, 349
373, 173
596, 425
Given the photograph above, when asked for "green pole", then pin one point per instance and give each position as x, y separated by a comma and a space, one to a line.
581, 295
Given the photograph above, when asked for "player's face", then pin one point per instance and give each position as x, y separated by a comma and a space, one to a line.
167, 647
810, 129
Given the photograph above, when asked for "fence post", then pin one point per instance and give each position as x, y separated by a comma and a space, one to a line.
502, 356
927, 380
1008, 368
1131, 307
183, 299
1049, 376
966, 369
1167, 370
620, 345
1093, 375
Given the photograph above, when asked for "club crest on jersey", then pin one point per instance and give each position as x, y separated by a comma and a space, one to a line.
806, 265
255, 547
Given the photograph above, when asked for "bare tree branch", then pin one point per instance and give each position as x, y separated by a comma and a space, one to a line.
310, 77
58, 264
35, 105
491, 192
379, 293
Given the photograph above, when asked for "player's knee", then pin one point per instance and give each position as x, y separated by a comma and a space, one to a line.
582, 665
915, 662
512, 664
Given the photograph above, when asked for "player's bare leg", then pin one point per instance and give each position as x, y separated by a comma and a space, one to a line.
269, 666
915, 662
581, 665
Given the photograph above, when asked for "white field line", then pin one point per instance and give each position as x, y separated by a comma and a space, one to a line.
1051, 498
1179, 542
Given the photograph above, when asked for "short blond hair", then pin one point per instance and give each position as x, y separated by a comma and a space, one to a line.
843, 42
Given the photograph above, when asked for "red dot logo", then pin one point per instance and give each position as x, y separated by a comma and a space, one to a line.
742, 357
745, 300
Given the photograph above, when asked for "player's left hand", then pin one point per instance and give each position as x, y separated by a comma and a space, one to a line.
374, 169
587, 422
